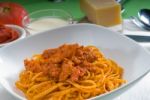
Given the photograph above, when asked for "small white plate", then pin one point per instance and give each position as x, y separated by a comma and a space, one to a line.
20, 30
131, 56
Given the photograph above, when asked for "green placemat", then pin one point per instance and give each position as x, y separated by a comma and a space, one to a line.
133, 6
72, 6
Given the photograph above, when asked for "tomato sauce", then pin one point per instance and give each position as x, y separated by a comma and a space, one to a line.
67, 62
7, 34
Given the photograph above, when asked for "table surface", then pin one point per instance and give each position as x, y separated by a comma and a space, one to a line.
72, 6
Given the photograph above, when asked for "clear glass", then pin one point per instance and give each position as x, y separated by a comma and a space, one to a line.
42, 20
117, 28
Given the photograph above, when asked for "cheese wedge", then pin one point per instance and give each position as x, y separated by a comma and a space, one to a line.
102, 12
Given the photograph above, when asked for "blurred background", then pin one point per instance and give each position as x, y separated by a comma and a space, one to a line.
72, 6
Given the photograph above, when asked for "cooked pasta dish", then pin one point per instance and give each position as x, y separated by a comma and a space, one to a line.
69, 72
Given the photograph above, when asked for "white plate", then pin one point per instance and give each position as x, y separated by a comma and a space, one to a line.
20, 30
131, 56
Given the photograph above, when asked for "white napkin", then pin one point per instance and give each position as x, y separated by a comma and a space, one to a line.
129, 28
128, 25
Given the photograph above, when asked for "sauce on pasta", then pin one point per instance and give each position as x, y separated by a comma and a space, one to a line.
69, 72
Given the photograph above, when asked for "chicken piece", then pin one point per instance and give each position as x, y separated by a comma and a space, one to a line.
82, 70
76, 60
54, 71
53, 55
48, 53
75, 74
68, 50
89, 66
87, 54
66, 70
36, 67
57, 55
31, 65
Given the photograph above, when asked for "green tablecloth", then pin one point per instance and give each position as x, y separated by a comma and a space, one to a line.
72, 6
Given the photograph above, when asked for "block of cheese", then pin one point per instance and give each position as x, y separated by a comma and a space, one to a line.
102, 12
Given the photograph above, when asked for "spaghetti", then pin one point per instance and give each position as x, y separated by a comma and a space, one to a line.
69, 72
